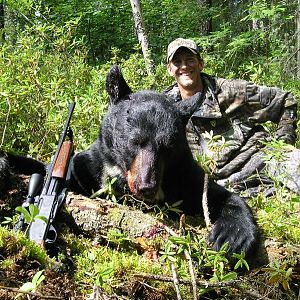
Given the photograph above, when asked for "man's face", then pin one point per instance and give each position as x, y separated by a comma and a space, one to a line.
185, 67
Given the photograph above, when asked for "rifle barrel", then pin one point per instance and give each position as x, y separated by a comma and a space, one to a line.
62, 138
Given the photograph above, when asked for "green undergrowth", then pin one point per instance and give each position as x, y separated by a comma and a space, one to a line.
278, 215
114, 261
108, 267
39, 75
17, 251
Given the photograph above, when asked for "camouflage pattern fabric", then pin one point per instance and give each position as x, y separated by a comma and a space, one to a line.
229, 127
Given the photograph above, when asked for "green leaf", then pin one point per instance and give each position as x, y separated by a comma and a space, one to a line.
178, 240
237, 265
229, 276
38, 278
28, 287
8, 220
33, 210
25, 212
43, 218
107, 272
99, 280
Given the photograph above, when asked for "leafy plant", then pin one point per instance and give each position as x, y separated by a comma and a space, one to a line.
7, 220
169, 253
278, 273
108, 190
162, 212
30, 214
215, 144
219, 263
117, 237
104, 275
241, 261
33, 285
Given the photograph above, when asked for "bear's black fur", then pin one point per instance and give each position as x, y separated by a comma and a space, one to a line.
142, 142
11, 163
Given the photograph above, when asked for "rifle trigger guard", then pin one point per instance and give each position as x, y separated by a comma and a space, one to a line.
51, 235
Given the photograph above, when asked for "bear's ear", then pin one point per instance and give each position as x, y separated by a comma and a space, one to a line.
116, 86
187, 107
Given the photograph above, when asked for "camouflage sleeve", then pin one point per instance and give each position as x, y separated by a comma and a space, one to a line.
287, 124
277, 106
259, 104
247, 105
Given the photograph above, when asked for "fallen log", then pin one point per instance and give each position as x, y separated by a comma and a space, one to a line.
96, 217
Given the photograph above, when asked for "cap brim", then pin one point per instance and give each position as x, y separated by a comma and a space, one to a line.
173, 53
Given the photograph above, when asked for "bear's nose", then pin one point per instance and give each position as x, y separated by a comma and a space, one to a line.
147, 190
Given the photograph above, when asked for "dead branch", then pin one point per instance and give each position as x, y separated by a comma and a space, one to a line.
202, 283
205, 202
97, 217
207, 284
176, 281
16, 290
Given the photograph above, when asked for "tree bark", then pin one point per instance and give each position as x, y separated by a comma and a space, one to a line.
141, 34
2, 20
206, 26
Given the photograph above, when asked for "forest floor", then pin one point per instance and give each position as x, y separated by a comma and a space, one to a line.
127, 263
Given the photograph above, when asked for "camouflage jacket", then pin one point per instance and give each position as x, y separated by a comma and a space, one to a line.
236, 110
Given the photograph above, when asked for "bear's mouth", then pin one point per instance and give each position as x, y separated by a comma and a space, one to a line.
151, 193
147, 192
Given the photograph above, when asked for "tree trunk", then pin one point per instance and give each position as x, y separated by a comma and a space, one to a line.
141, 34
2, 23
206, 26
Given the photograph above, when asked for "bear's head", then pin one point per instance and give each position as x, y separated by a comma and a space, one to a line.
143, 136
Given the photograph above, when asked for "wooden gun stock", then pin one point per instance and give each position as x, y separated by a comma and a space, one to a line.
62, 162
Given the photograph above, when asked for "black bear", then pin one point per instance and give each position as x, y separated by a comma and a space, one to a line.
11, 163
142, 142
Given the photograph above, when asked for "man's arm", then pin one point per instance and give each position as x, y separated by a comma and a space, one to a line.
247, 104
277, 106
254, 104
287, 124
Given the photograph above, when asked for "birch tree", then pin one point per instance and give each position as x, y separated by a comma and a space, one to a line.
141, 34
2, 20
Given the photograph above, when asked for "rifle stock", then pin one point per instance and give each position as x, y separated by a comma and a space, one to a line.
54, 191
61, 164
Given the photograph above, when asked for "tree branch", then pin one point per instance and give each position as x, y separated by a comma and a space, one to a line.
16, 290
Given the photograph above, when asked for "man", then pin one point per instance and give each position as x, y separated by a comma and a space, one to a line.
237, 111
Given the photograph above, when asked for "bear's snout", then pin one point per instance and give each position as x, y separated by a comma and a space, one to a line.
146, 190
143, 177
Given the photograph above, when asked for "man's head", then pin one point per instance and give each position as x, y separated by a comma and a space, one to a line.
185, 65
181, 43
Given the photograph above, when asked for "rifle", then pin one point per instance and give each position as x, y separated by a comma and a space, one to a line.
50, 196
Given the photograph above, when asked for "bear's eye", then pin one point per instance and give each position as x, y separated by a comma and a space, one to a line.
138, 141
165, 142
129, 120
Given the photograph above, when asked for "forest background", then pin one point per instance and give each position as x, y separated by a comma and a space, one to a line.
53, 52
